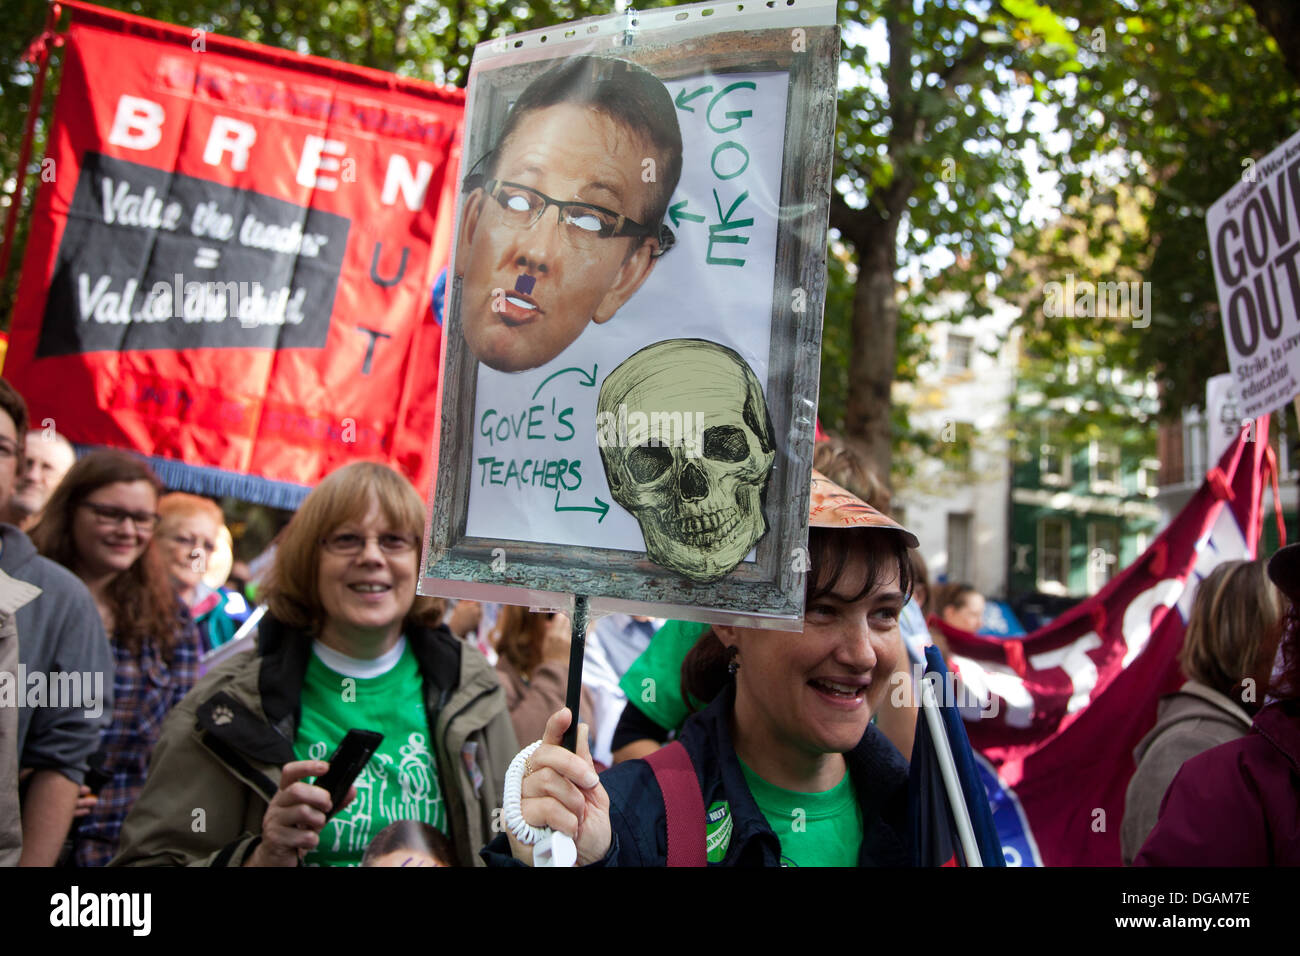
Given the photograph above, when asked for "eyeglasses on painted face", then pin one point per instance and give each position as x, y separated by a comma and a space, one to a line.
349, 544
522, 206
107, 516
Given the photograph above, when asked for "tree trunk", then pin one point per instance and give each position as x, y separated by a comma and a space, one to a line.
1281, 18
875, 330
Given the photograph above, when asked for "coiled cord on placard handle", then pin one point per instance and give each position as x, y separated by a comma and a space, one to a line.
524, 831
549, 848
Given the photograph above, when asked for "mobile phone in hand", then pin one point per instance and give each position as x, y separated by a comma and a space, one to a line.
357, 748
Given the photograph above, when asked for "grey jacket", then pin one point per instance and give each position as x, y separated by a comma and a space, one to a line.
13, 595
61, 636
1188, 722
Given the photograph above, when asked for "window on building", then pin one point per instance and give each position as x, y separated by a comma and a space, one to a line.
1103, 554
958, 444
960, 350
1053, 459
1148, 477
959, 546
1053, 555
1105, 463
1287, 456
1195, 447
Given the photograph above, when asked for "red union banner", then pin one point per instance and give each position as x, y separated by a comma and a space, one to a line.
231, 256
1063, 708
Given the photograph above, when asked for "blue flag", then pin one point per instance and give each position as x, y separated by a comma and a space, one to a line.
934, 830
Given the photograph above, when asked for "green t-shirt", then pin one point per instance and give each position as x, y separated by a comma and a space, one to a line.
654, 681
400, 782
815, 829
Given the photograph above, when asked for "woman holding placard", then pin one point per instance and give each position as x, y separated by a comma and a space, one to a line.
783, 767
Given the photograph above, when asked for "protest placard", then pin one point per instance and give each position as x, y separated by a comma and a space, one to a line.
1255, 246
634, 315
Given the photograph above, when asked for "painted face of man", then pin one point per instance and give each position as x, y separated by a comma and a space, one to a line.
534, 280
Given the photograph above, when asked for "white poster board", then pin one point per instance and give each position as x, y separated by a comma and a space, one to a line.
1223, 420
1255, 246
556, 420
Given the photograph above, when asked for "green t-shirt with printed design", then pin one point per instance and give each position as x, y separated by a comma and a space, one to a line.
815, 829
400, 782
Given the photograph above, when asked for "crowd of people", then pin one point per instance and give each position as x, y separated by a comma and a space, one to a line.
105, 576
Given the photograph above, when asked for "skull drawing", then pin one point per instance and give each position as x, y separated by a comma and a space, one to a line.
688, 446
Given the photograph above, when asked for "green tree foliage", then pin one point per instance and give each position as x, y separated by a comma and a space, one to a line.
1080, 370
1169, 105
931, 170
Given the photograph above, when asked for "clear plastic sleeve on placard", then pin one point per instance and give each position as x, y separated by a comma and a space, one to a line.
632, 334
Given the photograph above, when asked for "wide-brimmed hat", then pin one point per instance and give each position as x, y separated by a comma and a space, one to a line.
1284, 571
831, 506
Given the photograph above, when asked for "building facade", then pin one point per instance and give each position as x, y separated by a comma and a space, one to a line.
955, 497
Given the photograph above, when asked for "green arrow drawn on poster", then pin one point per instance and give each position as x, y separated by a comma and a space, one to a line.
677, 212
601, 508
588, 381
683, 98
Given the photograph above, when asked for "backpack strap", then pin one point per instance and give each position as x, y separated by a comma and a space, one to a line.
683, 804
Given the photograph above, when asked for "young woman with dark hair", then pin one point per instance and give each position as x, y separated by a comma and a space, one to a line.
791, 729
98, 523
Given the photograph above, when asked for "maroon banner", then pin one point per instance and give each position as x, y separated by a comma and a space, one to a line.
1062, 709
231, 258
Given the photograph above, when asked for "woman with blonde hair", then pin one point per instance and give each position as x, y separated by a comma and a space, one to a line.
1238, 804
188, 535
346, 644
1227, 654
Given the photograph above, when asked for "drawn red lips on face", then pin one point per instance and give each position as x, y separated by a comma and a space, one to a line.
518, 307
